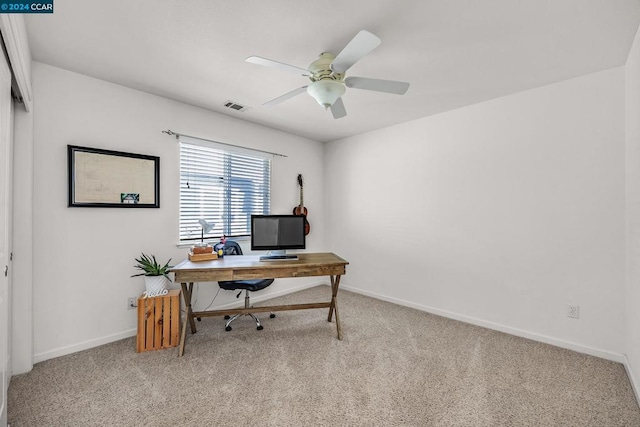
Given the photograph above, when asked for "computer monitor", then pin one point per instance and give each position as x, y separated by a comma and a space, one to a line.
277, 233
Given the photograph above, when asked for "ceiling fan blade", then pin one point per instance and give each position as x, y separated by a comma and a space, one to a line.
279, 65
286, 96
363, 43
337, 109
388, 86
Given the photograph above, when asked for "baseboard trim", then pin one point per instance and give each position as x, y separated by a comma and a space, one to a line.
603, 354
85, 345
632, 379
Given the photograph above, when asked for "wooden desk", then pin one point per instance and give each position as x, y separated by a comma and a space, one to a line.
246, 267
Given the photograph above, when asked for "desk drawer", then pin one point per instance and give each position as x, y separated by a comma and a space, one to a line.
287, 271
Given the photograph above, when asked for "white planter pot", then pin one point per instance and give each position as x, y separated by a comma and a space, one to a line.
155, 284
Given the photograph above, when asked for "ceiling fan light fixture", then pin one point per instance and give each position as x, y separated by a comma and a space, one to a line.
326, 92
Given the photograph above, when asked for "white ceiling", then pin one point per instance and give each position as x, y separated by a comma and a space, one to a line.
453, 52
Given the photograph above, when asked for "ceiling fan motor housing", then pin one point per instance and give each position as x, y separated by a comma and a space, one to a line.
321, 68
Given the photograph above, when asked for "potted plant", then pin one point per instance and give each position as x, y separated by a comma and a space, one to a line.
156, 275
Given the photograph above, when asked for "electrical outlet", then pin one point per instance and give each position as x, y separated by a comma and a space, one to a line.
131, 303
573, 311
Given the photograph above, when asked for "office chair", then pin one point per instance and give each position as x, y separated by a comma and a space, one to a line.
233, 248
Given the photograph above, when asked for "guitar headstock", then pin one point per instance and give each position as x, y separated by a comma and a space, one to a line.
300, 179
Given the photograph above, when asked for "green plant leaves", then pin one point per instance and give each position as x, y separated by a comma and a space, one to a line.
150, 266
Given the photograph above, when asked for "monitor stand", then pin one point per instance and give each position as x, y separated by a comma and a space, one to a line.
279, 255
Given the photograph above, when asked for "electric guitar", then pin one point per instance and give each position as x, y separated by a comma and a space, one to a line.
300, 209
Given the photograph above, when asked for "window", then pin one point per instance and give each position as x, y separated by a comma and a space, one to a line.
222, 185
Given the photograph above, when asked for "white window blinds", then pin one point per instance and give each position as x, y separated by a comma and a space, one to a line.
224, 186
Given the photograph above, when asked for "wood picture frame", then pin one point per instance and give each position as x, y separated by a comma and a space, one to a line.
112, 179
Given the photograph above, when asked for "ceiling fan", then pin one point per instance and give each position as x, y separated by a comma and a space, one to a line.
327, 75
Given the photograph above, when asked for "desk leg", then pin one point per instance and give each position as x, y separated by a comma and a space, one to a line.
333, 297
186, 295
335, 283
187, 304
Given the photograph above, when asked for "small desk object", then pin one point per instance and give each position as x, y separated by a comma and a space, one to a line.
246, 267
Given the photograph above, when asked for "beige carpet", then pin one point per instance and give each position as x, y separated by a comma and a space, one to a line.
395, 367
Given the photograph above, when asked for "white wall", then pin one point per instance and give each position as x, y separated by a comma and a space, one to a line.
83, 257
632, 73
500, 213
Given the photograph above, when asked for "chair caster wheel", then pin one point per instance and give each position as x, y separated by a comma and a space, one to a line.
199, 319
228, 328
260, 328
272, 315
227, 317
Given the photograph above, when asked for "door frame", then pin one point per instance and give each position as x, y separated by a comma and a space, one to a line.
6, 240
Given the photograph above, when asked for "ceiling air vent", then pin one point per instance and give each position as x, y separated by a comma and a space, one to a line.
235, 106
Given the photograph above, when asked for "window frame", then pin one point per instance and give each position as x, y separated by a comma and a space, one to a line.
232, 165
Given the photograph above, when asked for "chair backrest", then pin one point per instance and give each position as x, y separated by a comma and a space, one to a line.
232, 248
